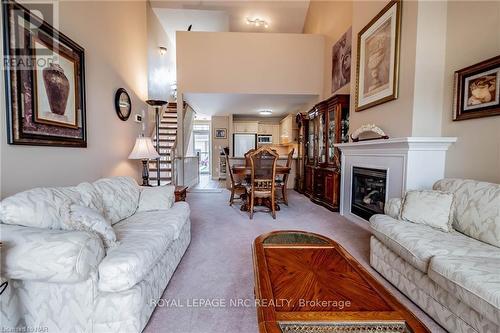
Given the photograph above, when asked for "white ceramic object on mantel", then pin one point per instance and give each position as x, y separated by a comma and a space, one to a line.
411, 162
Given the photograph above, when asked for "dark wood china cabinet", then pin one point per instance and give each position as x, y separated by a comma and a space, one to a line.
324, 125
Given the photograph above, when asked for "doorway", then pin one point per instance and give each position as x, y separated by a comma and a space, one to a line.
201, 141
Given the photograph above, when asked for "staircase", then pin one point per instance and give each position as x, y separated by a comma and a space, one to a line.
166, 149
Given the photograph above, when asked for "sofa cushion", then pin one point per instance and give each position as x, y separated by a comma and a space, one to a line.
38, 207
90, 197
417, 243
473, 280
120, 197
477, 208
393, 208
432, 208
143, 239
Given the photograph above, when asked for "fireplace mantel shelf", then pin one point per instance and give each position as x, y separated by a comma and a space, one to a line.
433, 143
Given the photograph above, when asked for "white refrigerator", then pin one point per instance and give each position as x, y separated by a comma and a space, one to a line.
243, 143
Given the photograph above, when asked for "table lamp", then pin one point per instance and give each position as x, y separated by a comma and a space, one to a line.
144, 150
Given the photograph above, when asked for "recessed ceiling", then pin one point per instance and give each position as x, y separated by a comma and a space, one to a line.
282, 16
247, 104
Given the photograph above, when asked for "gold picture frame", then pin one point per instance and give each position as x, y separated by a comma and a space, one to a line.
377, 61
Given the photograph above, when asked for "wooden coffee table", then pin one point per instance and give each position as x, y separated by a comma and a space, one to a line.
305, 282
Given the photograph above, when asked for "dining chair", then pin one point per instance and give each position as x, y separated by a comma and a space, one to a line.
281, 182
236, 186
263, 175
247, 157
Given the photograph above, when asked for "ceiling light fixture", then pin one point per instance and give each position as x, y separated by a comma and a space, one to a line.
265, 112
162, 50
257, 22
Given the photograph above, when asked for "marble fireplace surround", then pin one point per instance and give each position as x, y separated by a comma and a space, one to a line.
412, 163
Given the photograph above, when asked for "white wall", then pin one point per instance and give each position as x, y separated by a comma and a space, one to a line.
438, 38
160, 77
473, 36
114, 36
394, 117
249, 63
218, 144
330, 19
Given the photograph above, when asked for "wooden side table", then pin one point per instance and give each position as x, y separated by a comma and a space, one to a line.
180, 193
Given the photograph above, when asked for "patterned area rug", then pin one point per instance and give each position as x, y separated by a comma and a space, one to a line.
396, 327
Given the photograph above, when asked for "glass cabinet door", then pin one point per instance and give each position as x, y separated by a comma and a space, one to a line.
331, 136
321, 138
310, 141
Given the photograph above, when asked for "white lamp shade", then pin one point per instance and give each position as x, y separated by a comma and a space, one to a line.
143, 150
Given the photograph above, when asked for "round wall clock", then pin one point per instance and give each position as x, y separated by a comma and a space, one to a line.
123, 105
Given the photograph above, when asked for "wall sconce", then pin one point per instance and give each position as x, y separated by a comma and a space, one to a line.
162, 50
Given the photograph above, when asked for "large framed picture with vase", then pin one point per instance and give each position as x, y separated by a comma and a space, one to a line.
45, 82
378, 58
477, 90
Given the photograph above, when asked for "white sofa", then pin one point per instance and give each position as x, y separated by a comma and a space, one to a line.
455, 276
66, 281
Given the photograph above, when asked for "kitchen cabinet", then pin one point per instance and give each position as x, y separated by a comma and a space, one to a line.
266, 129
324, 125
246, 127
276, 134
288, 130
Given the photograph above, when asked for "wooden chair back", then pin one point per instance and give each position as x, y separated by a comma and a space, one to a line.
228, 166
247, 157
263, 166
289, 160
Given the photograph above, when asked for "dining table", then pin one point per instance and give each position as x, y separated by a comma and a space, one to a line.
243, 171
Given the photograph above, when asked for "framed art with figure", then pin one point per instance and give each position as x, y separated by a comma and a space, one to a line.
378, 58
477, 90
341, 61
221, 133
45, 82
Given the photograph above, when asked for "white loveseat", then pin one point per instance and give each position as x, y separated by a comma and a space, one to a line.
67, 281
455, 276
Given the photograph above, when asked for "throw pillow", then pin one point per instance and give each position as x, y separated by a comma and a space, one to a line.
156, 198
432, 208
87, 219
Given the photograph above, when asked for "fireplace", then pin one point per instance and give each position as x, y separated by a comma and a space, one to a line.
368, 191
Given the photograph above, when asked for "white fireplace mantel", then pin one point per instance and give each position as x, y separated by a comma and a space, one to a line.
411, 163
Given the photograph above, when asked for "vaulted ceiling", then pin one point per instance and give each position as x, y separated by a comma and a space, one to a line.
281, 16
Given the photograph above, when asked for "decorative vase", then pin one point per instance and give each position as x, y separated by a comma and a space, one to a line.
57, 88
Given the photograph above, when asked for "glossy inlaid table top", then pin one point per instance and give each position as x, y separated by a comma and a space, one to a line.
305, 282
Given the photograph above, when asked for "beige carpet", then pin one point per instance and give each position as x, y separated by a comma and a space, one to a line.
218, 264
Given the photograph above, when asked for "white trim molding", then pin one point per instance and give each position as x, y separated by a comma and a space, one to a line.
412, 163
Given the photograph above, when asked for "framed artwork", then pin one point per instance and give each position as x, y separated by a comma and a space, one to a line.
341, 61
45, 82
378, 58
221, 133
477, 90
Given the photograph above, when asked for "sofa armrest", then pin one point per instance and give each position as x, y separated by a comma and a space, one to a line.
49, 255
393, 208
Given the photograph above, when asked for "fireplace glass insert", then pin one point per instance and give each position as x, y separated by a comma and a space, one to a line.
368, 191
